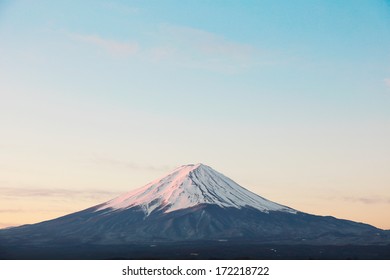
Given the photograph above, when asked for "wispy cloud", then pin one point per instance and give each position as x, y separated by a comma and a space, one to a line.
130, 165
55, 193
387, 82
11, 210
186, 47
113, 47
207, 43
369, 200
201, 49
20, 210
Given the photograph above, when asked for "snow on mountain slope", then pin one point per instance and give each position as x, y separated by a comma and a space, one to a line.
188, 186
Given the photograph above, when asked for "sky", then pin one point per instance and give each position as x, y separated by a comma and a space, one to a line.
291, 99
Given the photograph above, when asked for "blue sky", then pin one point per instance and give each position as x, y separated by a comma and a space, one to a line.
282, 96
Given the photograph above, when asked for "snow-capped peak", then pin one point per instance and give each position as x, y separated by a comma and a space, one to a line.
190, 185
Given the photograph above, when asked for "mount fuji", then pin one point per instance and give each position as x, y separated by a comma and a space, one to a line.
192, 204
189, 186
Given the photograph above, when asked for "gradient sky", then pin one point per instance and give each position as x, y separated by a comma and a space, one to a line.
291, 99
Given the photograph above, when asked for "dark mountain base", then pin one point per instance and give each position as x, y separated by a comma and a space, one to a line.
204, 250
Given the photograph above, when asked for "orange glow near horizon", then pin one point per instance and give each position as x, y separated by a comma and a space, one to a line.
18, 210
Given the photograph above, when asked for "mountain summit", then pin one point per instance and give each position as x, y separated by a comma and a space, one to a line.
188, 186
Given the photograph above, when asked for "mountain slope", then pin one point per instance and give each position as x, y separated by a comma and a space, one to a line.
192, 203
188, 186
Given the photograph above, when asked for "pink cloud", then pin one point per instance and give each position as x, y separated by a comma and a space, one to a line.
387, 82
187, 47
113, 47
207, 43
195, 48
